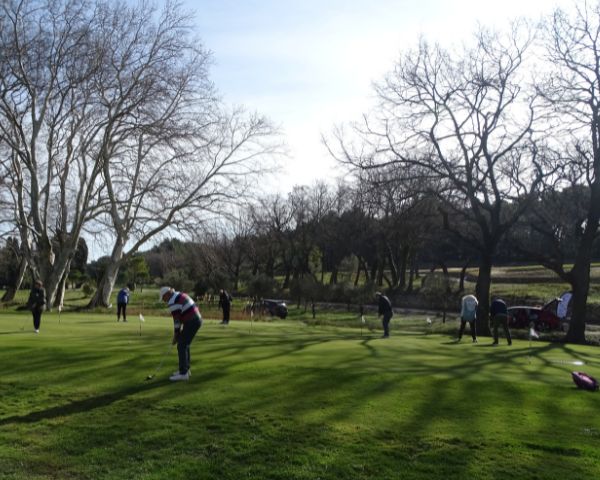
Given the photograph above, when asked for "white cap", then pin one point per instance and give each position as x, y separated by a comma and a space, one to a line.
164, 290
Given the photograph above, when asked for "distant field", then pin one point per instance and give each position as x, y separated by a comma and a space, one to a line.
289, 400
529, 272
528, 284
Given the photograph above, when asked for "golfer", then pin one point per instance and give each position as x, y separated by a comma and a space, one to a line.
225, 305
36, 303
186, 321
385, 311
499, 316
468, 313
122, 301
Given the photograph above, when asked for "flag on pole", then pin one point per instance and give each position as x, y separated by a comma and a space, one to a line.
533, 333
142, 318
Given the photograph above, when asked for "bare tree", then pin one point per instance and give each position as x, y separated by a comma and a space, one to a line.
159, 185
107, 115
49, 110
185, 155
573, 92
465, 119
275, 218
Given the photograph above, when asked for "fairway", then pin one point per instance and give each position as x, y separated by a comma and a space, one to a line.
288, 401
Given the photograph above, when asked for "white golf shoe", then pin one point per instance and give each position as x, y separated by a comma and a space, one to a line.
176, 372
180, 377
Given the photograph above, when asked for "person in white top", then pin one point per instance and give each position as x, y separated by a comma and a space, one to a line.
563, 305
468, 313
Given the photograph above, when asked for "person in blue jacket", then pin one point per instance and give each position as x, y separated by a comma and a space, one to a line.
122, 301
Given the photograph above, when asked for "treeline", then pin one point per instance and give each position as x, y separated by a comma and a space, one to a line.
328, 243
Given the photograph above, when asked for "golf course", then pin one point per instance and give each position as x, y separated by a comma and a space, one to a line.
289, 400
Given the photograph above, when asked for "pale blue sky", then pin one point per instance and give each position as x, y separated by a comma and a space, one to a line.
309, 64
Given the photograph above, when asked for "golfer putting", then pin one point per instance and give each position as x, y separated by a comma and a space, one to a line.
186, 323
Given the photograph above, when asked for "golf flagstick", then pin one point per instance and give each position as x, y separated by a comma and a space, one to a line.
362, 322
142, 320
532, 334
59, 310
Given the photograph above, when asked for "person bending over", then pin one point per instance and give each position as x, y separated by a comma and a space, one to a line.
186, 323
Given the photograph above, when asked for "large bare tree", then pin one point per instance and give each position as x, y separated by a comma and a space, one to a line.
161, 185
186, 154
52, 140
108, 118
573, 92
466, 120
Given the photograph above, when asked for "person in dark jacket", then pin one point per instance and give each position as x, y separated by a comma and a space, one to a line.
122, 301
186, 323
499, 316
385, 311
36, 303
225, 305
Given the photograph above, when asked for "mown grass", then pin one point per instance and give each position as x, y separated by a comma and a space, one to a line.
288, 400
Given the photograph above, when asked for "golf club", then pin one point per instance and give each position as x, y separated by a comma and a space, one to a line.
164, 356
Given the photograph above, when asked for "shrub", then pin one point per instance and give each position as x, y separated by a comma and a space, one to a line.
87, 289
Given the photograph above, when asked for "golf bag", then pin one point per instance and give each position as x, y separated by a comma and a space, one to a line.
583, 380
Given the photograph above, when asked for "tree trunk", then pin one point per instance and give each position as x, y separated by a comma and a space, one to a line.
482, 292
12, 289
446, 276
463, 274
358, 269
374, 267
404, 267
393, 268
380, 271
236, 279
413, 272
334, 276
101, 297
580, 273
52, 271
286, 280
580, 287
60, 294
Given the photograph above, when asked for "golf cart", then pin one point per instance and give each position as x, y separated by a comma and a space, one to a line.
548, 317
275, 308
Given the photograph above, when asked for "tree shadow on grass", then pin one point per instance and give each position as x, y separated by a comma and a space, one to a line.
83, 405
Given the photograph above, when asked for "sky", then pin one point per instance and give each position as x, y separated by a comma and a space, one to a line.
310, 64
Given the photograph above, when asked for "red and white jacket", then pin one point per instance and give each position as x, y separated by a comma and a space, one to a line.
183, 309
